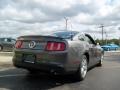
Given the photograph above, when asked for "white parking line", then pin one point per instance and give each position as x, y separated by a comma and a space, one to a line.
10, 75
4, 69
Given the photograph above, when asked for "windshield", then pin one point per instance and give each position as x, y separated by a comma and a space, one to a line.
65, 34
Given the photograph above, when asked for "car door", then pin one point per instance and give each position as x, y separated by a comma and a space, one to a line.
92, 50
89, 47
78, 49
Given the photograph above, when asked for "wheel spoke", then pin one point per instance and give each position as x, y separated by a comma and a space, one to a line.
84, 67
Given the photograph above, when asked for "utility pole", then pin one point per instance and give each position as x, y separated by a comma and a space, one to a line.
119, 37
106, 37
66, 23
102, 27
119, 40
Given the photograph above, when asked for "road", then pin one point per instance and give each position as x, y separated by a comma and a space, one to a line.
98, 78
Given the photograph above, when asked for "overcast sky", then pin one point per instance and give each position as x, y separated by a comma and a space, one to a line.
22, 17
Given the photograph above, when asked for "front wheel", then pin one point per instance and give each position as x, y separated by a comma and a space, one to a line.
82, 70
108, 49
115, 49
101, 61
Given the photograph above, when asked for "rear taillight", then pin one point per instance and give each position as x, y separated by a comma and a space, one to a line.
55, 46
18, 44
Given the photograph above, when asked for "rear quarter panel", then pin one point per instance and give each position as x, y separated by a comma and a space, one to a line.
75, 51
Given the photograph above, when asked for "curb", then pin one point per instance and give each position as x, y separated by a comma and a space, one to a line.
114, 53
6, 53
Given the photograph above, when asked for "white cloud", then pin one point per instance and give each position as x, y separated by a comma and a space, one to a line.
105, 11
20, 17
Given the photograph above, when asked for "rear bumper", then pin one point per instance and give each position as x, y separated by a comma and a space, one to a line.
44, 62
41, 67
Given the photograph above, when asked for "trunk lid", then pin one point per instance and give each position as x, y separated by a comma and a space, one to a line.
38, 42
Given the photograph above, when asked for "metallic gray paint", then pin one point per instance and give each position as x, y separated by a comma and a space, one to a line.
68, 60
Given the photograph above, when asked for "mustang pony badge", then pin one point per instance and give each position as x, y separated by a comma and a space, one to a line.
32, 44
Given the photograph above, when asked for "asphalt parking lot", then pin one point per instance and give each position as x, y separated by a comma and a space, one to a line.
99, 78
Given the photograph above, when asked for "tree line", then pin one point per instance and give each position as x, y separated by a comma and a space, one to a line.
108, 41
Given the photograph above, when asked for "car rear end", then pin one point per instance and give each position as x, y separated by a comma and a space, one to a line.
43, 53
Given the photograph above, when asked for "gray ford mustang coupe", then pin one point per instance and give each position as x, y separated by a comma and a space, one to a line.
60, 53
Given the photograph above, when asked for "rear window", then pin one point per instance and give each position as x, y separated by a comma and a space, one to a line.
65, 34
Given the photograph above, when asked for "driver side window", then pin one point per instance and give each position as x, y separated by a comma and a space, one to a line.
79, 37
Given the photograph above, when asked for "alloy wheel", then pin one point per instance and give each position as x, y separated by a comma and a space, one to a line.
83, 67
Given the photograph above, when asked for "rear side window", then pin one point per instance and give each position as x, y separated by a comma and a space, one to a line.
80, 37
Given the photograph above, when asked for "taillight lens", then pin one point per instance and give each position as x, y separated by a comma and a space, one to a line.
55, 46
18, 44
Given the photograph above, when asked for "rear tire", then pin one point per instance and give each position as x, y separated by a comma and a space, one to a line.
82, 70
32, 71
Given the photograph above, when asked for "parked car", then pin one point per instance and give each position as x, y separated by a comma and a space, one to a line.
61, 52
110, 47
7, 44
